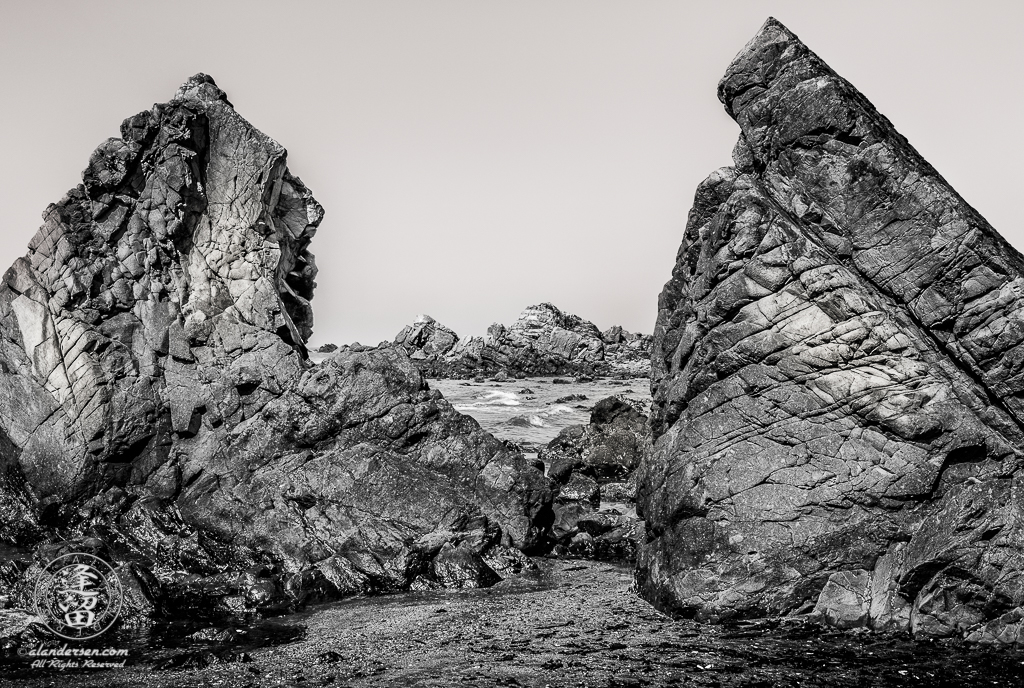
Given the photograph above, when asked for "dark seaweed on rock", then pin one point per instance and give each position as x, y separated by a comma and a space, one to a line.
838, 377
155, 389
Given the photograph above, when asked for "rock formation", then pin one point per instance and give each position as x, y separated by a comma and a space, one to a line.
155, 388
543, 341
426, 340
838, 377
594, 464
607, 450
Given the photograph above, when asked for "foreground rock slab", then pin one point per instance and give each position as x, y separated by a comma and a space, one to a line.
156, 393
837, 378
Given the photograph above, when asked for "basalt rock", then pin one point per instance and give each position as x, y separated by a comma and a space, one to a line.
156, 390
838, 377
543, 341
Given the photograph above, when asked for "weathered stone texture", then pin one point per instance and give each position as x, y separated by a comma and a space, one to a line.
836, 376
608, 449
426, 339
152, 351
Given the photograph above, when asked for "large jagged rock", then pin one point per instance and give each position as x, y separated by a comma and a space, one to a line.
838, 377
426, 339
542, 341
155, 385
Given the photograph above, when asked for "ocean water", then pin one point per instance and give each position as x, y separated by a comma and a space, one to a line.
532, 412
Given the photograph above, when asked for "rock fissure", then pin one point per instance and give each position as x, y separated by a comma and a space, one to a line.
941, 345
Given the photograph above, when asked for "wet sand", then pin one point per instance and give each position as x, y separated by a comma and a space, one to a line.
571, 623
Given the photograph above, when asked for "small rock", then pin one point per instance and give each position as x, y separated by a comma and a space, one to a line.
580, 488
846, 599
461, 567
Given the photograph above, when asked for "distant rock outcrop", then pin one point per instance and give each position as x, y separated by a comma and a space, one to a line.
838, 378
426, 339
155, 389
543, 341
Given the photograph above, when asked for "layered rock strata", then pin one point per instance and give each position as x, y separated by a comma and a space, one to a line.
838, 377
542, 341
155, 387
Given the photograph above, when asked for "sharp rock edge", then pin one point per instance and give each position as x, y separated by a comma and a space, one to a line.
157, 400
838, 378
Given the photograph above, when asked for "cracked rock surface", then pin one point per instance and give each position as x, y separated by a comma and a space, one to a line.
542, 341
156, 392
838, 378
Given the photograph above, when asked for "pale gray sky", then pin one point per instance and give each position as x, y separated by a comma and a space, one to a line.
475, 157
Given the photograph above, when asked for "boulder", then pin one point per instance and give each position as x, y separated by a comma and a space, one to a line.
845, 601
461, 567
579, 489
616, 543
156, 390
608, 450
578, 498
583, 461
838, 377
594, 463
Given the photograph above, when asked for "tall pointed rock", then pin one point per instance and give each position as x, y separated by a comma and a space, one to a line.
838, 376
155, 385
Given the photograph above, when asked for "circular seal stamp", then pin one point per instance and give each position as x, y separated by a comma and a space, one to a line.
78, 596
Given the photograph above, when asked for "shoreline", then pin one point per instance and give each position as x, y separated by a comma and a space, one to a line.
571, 622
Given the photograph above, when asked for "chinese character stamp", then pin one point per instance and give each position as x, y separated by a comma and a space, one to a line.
78, 596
